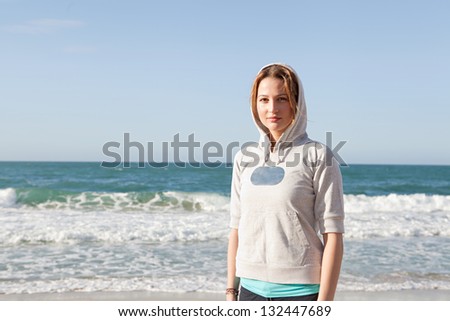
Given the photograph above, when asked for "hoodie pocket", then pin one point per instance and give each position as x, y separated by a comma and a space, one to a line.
287, 245
251, 238
298, 231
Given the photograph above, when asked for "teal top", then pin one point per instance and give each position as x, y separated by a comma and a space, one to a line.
278, 290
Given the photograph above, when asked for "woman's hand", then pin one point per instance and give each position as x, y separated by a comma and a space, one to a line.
231, 297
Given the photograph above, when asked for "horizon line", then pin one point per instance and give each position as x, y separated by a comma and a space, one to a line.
198, 163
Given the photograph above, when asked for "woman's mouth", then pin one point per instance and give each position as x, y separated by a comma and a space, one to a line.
273, 119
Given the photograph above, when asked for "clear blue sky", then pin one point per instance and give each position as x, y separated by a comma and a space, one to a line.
77, 74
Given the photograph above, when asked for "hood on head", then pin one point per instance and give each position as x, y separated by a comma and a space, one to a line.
296, 132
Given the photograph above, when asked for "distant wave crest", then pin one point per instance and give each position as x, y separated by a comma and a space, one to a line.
158, 202
44, 199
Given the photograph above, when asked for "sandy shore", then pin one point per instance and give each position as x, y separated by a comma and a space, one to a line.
406, 295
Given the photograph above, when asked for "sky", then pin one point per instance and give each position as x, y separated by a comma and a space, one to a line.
76, 75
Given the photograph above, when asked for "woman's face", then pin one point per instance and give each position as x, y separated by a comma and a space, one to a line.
273, 106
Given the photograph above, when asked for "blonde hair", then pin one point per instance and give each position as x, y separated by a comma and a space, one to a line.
280, 72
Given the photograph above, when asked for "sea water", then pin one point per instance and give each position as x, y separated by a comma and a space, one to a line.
81, 227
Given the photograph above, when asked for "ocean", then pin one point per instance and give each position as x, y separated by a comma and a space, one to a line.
81, 227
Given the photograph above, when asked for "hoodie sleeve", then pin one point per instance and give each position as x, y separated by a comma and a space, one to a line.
235, 202
329, 199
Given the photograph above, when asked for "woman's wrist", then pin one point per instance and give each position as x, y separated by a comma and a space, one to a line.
231, 291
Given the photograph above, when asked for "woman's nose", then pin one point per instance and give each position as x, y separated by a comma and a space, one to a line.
272, 106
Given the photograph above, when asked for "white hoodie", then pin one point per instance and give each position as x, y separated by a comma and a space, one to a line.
281, 201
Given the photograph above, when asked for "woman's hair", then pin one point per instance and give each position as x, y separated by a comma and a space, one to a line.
280, 72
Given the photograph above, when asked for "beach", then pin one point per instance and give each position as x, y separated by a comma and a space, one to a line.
404, 295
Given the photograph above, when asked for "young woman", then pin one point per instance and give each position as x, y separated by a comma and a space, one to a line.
287, 213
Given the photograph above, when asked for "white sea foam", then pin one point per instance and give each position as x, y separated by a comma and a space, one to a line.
71, 227
198, 217
365, 284
397, 216
395, 203
7, 197
176, 284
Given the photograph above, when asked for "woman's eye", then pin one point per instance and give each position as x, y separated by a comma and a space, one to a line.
282, 99
263, 100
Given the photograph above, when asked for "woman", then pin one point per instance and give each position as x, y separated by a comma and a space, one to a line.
286, 190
